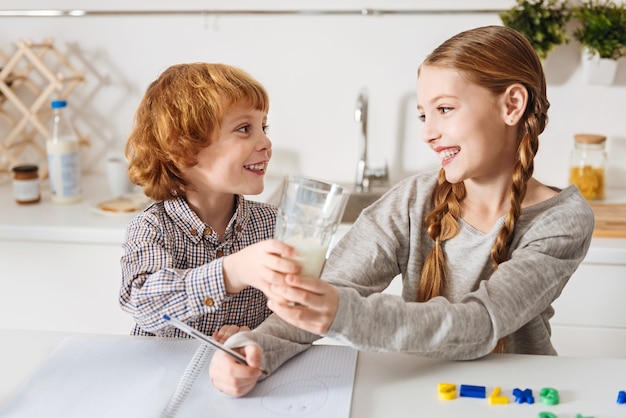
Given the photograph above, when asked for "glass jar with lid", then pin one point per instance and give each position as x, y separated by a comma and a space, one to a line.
588, 165
26, 184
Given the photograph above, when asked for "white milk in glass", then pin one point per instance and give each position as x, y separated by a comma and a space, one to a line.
311, 254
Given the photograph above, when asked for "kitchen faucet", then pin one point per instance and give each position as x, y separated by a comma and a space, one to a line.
364, 174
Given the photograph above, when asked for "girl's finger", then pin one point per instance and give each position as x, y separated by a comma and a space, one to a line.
309, 284
289, 296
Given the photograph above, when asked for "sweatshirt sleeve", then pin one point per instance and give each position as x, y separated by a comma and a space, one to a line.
544, 257
279, 340
152, 283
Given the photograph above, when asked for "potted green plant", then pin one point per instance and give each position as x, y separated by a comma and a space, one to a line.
602, 35
542, 22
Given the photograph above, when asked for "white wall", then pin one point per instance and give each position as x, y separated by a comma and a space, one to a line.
313, 67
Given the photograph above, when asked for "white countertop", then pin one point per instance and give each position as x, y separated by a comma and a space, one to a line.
81, 222
84, 223
400, 385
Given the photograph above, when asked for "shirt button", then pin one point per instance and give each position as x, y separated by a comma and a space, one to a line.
193, 232
238, 228
207, 231
219, 253
208, 301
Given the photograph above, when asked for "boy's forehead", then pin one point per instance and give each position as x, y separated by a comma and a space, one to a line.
241, 111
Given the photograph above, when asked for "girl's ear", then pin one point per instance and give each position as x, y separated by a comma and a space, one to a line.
515, 102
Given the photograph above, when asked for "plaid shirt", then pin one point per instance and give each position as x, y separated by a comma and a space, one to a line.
172, 264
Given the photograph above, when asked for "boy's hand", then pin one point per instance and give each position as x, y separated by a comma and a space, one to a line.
259, 265
226, 331
233, 378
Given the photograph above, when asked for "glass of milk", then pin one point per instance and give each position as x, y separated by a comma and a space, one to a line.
308, 215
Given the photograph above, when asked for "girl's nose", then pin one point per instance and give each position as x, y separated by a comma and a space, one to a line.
430, 132
430, 129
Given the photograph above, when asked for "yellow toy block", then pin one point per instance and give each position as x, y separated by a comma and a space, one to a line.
447, 391
496, 399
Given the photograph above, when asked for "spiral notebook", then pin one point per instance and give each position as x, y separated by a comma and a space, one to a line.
153, 377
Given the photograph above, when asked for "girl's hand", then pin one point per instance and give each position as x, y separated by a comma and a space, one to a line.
259, 265
319, 301
226, 331
233, 378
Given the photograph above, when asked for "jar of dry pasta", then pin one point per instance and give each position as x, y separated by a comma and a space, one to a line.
588, 165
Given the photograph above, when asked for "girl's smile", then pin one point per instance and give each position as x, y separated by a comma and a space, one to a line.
446, 155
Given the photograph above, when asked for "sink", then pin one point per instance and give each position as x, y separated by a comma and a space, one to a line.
357, 201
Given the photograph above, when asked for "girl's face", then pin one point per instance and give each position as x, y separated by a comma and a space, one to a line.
465, 125
236, 161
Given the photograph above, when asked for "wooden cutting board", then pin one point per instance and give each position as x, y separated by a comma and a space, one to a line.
610, 220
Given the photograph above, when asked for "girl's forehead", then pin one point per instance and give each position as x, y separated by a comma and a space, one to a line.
430, 72
436, 81
438, 85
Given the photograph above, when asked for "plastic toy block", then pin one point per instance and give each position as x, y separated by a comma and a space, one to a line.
470, 391
523, 396
549, 396
621, 397
496, 398
582, 416
546, 415
447, 391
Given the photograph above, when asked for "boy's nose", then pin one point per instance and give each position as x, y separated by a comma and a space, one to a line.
265, 143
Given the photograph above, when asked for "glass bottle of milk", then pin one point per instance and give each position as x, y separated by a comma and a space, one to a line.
63, 157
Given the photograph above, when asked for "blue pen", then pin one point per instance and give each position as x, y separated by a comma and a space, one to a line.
209, 340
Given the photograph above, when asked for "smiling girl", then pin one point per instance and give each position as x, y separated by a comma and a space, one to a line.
199, 144
483, 248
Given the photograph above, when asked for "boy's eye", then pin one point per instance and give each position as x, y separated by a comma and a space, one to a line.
244, 129
266, 129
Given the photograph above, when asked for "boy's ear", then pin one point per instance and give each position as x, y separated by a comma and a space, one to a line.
515, 102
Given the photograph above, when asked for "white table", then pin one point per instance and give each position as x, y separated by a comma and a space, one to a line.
399, 385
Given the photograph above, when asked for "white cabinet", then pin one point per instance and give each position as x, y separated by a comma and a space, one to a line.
60, 264
60, 286
590, 318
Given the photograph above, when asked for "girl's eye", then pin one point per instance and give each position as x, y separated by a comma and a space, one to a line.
444, 109
422, 118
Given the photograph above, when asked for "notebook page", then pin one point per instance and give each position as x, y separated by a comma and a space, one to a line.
136, 377
104, 377
317, 383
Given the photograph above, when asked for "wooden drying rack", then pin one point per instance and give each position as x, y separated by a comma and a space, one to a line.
27, 84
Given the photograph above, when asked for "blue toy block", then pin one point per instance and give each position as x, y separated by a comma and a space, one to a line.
621, 397
470, 391
523, 396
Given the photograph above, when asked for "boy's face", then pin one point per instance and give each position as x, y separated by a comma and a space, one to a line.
236, 161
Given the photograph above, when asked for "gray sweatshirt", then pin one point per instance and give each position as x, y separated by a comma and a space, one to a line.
481, 305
